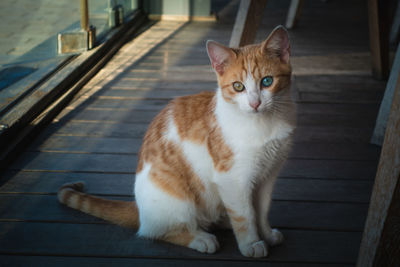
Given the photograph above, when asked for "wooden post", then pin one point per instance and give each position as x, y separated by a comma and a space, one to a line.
379, 37
293, 13
384, 110
394, 32
380, 245
247, 21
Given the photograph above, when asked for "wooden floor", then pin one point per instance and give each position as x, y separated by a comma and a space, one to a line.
321, 198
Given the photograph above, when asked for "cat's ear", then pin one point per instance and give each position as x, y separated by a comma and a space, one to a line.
278, 43
219, 55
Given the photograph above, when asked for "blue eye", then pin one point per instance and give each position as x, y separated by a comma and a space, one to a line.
267, 81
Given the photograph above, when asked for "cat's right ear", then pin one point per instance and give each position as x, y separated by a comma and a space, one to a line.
219, 55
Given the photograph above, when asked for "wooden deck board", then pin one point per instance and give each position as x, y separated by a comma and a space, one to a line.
284, 214
97, 240
114, 145
321, 197
145, 116
287, 188
126, 163
51, 261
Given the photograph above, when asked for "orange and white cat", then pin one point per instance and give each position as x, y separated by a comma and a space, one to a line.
212, 158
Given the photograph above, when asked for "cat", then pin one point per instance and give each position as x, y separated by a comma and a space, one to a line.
212, 158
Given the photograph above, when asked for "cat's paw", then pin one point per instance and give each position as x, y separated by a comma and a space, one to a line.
274, 238
205, 243
256, 250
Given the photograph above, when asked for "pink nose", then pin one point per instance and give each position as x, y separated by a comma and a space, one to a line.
255, 104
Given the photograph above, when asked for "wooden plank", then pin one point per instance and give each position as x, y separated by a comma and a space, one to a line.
157, 104
97, 129
247, 21
172, 75
294, 13
286, 188
145, 116
283, 214
98, 240
49, 182
97, 103
379, 238
112, 163
84, 144
150, 93
329, 169
337, 92
339, 121
76, 162
309, 150
378, 37
143, 104
112, 145
354, 191
370, 109
137, 130
117, 116
129, 84
51, 261
367, 98
338, 80
329, 134
344, 88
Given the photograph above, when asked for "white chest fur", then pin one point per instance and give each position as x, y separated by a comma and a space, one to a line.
247, 131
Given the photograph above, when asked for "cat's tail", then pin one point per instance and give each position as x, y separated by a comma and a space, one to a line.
123, 213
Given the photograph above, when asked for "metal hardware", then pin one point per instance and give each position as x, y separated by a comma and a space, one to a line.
3, 127
115, 14
79, 40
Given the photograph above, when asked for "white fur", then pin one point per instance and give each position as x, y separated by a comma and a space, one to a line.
171, 133
201, 162
242, 129
159, 212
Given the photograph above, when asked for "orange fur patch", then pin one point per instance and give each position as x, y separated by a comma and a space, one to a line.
180, 237
195, 121
238, 219
174, 175
193, 116
124, 213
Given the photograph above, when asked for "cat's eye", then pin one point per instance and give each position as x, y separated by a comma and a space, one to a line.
238, 86
267, 81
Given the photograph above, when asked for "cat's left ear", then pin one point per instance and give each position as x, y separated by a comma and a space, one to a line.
278, 44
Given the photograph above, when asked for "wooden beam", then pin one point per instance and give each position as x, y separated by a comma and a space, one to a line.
294, 13
389, 245
384, 110
379, 37
395, 31
247, 21
381, 241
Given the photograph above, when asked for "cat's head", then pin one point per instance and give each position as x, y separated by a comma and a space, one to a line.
254, 76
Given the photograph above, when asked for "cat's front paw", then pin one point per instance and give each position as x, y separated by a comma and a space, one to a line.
205, 243
274, 238
256, 250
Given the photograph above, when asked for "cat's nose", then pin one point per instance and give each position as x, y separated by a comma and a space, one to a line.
255, 104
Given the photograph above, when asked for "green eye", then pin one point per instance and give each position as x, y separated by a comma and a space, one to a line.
267, 81
238, 86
